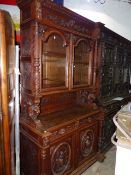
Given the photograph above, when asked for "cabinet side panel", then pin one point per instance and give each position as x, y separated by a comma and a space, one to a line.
29, 156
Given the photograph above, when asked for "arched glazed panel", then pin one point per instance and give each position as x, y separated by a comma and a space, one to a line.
54, 61
81, 63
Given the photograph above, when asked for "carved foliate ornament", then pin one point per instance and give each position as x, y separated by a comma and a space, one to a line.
88, 99
31, 110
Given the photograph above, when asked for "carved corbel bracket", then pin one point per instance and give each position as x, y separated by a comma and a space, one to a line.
88, 99
30, 110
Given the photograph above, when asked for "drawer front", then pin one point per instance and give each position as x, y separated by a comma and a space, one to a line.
88, 142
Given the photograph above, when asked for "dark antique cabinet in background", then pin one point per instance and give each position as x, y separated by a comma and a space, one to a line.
60, 120
114, 55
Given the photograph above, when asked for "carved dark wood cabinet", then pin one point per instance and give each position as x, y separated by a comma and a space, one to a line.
114, 55
60, 120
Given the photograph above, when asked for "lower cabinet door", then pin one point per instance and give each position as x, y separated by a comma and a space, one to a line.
62, 156
107, 132
88, 142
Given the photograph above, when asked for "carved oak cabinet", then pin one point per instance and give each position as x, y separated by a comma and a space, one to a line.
114, 55
60, 121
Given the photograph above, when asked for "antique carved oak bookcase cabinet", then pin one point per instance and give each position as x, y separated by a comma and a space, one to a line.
114, 57
60, 120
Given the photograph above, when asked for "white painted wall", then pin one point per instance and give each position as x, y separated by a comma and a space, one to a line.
115, 15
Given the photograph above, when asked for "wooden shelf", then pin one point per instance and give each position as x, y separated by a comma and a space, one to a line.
55, 54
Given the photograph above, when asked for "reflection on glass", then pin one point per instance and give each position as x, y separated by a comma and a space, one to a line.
53, 62
81, 64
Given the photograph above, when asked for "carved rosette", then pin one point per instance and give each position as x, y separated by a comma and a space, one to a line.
87, 140
60, 158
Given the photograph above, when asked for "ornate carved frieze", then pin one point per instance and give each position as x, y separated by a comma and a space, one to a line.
62, 131
63, 19
60, 158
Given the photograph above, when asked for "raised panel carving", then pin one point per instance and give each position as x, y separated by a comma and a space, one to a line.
87, 139
60, 158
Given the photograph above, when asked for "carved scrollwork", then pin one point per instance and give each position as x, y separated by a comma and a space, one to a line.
87, 140
66, 22
64, 130
60, 158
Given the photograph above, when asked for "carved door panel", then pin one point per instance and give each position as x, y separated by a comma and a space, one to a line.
62, 156
87, 142
107, 131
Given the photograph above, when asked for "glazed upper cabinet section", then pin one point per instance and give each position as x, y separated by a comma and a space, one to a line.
81, 63
61, 56
54, 62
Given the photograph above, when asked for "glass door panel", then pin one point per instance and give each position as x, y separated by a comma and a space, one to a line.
81, 64
53, 62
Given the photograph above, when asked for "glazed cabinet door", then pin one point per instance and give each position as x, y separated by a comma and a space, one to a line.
62, 156
87, 142
82, 63
54, 71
